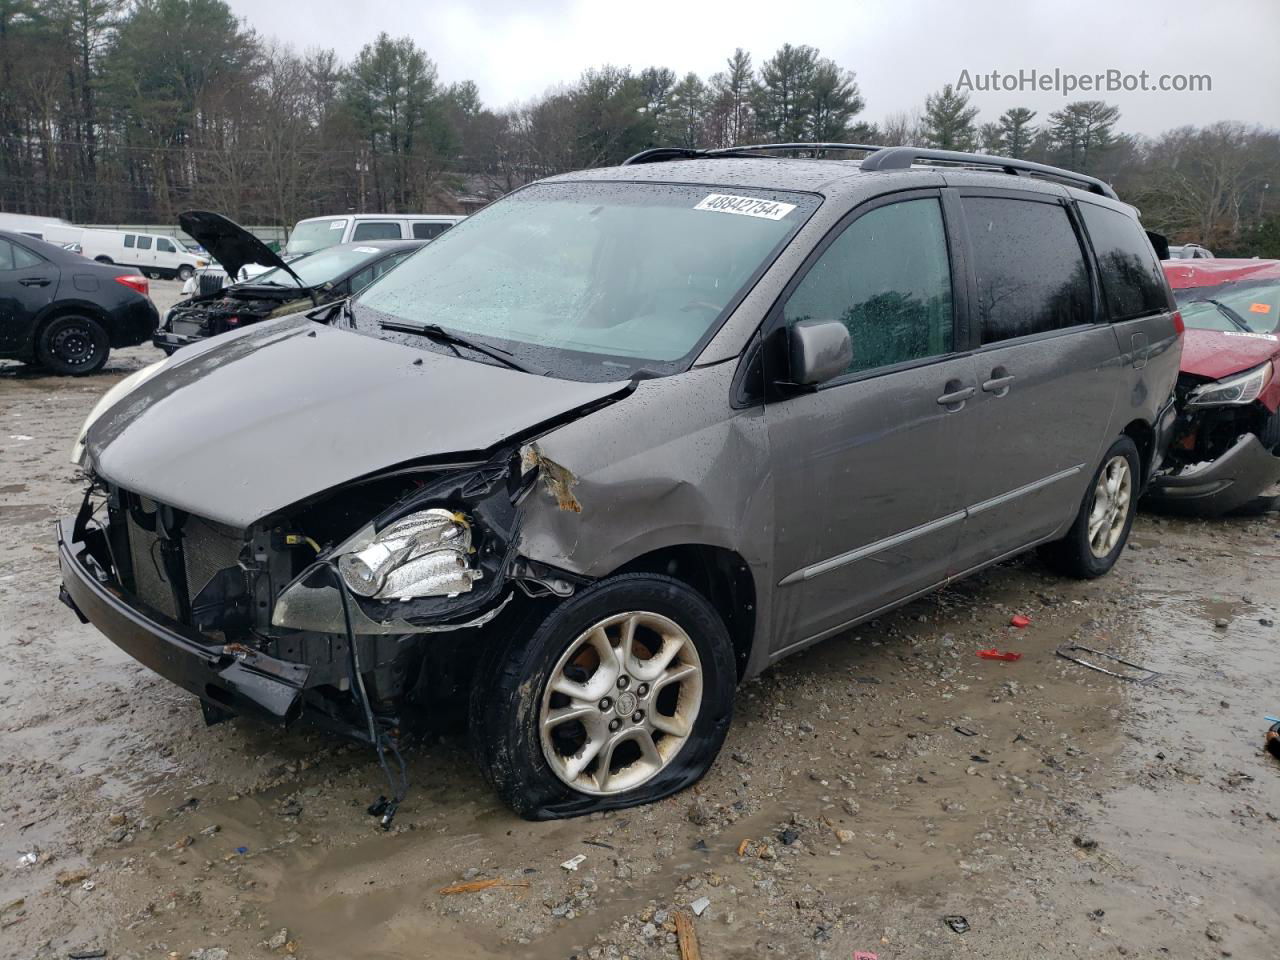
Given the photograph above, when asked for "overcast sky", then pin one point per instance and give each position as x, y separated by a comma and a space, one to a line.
900, 49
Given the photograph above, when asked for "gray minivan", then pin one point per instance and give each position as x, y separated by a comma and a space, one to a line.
624, 438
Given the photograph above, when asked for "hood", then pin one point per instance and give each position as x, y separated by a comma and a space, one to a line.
1214, 354
260, 419
229, 243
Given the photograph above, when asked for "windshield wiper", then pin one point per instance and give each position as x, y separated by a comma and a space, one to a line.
1227, 312
433, 331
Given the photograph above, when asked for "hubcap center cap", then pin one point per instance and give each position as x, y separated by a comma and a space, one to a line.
626, 703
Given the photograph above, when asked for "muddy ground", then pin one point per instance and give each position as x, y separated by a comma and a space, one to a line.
869, 787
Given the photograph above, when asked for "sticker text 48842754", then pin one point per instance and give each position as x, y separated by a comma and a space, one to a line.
745, 206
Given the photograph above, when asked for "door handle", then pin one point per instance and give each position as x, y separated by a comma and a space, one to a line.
955, 396
999, 383
34, 282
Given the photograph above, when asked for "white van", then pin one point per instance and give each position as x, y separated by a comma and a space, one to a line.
153, 254
316, 233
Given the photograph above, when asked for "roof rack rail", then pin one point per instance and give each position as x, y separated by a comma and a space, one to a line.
659, 154
887, 158
901, 158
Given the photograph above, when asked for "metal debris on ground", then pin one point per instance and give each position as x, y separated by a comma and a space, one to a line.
957, 923
1071, 651
965, 731
699, 906
92, 953
994, 654
474, 886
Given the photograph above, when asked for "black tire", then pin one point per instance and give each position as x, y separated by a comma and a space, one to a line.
103, 258
512, 676
1073, 556
185, 272
73, 345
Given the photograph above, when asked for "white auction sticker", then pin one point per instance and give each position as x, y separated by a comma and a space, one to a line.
745, 206
366, 249
1255, 336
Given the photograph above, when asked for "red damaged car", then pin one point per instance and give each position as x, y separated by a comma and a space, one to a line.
1225, 451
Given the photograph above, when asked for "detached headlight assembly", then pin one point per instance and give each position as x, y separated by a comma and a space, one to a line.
1242, 389
426, 554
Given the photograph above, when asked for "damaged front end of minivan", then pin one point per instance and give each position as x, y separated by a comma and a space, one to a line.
289, 614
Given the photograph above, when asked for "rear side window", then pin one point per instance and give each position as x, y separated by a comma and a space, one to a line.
1131, 277
1030, 270
376, 230
22, 257
428, 231
144, 243
888, 279
129, 239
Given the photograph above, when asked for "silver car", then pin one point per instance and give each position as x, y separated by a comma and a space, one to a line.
623, 439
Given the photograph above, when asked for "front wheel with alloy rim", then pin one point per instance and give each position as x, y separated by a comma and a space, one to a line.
1101, 528
73, 345
618, 696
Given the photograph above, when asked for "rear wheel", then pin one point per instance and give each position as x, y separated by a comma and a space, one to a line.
619, 696
1101, 529
103, 259
74, 345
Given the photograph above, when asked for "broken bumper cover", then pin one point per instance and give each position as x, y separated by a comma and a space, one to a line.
1226, 484
230, 677
168, 341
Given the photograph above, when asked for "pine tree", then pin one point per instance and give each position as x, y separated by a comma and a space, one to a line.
1017, 131
948, 120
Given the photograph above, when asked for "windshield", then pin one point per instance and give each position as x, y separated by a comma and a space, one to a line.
321, 267
591, 281
1250, 305
311, 235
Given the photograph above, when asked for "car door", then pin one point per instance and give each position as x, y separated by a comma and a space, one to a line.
166, 255
867, 508
1047, 367
28, 284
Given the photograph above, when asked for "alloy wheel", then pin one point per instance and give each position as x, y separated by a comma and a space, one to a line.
620, 703
1111, 498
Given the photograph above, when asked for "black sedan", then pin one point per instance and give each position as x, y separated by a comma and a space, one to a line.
326, 276
64, 312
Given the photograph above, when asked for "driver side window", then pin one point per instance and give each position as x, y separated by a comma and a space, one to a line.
887, 278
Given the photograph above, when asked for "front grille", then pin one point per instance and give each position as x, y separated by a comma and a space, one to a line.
207, 548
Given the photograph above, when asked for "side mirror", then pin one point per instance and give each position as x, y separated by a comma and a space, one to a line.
819, 350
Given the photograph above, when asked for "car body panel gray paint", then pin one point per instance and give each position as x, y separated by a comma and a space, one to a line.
292, 408
673, 464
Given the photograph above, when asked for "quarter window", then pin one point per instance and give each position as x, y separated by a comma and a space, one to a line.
22, 258
1029, 267
887, 278
376, 230
429, 231
6, 255
1131, 276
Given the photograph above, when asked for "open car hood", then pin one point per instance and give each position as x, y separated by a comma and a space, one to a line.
227, 242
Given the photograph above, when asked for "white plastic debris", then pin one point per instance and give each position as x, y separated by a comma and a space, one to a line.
573, 862
699, 906
87, 885
20, 436
27, 859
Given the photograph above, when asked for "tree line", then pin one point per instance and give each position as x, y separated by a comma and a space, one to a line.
115, 111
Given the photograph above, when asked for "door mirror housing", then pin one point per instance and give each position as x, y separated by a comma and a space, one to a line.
819, 350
